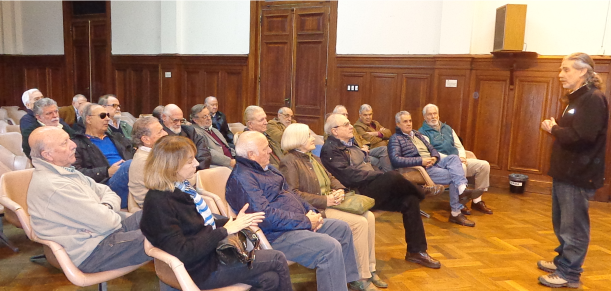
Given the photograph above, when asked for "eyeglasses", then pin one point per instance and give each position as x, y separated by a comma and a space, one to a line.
288, 116
343, 125
177, 120
207, 116
115, 106
101, 115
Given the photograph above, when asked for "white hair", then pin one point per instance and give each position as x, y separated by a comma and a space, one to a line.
399, 114
250, 111
294, 136
338, 107
209, 99
426, 108
364, 107
25, 97
332, 122
167, 110
248, 143
282, 110
77, 96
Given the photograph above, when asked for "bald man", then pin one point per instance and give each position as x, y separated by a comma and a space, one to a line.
173, 123
276, 126
74, 211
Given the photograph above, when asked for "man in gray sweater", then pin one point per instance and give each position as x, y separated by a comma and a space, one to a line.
73, 210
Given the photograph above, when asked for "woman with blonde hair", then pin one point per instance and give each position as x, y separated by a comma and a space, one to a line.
177, 220
306, 175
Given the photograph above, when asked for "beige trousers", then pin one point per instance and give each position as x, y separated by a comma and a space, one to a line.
481, 170
364, 235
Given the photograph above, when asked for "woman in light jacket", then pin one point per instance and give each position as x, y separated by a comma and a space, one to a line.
306, 175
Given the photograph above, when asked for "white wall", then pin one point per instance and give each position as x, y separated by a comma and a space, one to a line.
136, 27
43, 27
388, 27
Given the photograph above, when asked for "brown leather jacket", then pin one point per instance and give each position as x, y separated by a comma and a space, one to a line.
362, 129
300, 176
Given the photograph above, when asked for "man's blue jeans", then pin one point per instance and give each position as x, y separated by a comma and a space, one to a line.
572, 227
449, 171
330, 251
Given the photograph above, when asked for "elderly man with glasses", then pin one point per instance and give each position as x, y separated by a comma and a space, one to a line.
47, 114
276, 126
174, 124
222, 154
99, 153
115, 124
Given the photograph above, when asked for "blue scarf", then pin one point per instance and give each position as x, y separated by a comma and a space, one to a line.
200, 204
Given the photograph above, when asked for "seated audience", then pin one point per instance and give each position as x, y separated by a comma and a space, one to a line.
147, 130
99, 153
256, 120
348, 164
79, 125
46, 113
173, 120
291, 225
28, 98
444, 139
276, 126
70, 113
408, 148
115, 124
219, 120
307, 177
222, 154
74, 211
177, 220
378, 154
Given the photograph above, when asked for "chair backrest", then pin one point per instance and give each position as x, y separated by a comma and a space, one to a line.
12, 142
13, 128
171, 271
211, 182
12, 161
14, 186
128, 117
236, 127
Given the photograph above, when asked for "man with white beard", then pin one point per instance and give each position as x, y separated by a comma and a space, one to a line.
173, 124
47, 114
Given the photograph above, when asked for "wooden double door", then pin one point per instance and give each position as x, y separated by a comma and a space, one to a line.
293, 60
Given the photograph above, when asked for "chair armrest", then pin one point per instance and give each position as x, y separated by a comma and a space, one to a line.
181, 274
416, 175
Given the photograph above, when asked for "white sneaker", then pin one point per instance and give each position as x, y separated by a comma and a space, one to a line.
546, 266
555, 281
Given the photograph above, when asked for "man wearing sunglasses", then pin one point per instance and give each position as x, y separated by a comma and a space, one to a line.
174, 124
99, 153
276, 126
113, 108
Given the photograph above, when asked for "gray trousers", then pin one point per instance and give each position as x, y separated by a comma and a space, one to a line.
330, 251
379, 158
122, 248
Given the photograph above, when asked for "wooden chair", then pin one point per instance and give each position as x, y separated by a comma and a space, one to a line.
14, 198
172, 272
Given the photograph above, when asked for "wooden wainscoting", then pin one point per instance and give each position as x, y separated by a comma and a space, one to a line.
143, 82
20, 73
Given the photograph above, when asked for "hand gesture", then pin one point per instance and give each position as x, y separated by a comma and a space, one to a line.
243, 220
113, 169
315, 220
427, 162
365, 148
372, 133
548, 124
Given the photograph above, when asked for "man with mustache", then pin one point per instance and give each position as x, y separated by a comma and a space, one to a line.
47, 114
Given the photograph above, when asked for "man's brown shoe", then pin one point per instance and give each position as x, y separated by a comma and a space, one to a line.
433, 190
469, 195
424, 259
462, 220
481, 207
465, 210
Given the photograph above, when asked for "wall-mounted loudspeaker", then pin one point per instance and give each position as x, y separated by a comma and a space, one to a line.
509, 28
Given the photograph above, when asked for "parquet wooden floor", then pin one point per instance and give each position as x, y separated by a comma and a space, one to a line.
500, 253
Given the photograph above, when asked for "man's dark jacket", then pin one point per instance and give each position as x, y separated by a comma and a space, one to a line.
27, 120
79, 126
91, 161
403, 153
267, 191
203, 155
335, 156
578, 152
219, 121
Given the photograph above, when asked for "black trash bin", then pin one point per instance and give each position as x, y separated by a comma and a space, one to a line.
517, 183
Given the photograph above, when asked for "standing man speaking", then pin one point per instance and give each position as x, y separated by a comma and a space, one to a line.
577, 166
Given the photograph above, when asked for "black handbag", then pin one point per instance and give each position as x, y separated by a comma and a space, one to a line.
238, 248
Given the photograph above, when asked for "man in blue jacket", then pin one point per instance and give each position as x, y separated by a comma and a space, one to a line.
408, 148
291, 225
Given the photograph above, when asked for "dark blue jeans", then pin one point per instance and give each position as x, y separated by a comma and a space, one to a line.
572, 227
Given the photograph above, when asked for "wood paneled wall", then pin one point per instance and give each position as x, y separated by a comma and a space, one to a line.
20, 73
497, 112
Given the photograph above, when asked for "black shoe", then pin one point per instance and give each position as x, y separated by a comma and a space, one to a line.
462, 220
469, 195
424, 259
